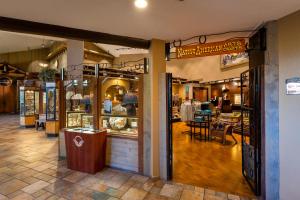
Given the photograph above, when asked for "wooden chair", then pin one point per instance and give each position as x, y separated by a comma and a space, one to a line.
222, 133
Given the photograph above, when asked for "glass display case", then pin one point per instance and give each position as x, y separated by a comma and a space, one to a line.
87, 121
52, 102
74, 119
52, 109
79, 103
119, 111
29, 105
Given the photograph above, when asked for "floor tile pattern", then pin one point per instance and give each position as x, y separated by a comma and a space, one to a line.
30, 169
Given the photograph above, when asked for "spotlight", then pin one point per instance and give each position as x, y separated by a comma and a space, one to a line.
141, 3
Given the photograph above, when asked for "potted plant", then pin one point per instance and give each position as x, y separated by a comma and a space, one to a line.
47, 75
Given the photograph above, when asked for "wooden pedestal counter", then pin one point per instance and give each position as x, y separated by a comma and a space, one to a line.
85, 150
52, 128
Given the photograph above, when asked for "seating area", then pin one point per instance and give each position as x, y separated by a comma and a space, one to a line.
207, 127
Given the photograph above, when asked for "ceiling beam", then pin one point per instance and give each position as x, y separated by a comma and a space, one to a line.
30, 27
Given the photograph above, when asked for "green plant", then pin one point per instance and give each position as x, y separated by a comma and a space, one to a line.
47, 74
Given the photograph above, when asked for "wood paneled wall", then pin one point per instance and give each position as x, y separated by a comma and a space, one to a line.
8, 99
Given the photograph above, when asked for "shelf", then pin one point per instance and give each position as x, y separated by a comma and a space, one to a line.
108, 115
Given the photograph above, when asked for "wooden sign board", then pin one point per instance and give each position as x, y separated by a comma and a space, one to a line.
211, 49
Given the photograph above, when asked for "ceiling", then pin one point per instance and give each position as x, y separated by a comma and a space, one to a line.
163, 19
121, 50
13, 42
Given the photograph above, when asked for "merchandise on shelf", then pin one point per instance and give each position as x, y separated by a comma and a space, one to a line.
120, 107
29, 105
79, 110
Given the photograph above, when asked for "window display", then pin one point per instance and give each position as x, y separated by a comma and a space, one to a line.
29, 105
74, 119
52, 109
79, 103
87, 121
52, 102
120, 106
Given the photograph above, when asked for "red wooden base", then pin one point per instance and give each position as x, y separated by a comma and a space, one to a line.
85, 152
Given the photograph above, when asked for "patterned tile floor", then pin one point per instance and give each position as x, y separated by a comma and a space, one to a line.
29, 169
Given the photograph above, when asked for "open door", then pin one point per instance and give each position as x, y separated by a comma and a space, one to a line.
252, 89
169, 126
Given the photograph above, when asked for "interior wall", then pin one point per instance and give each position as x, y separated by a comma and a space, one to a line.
289, 107
130, 57
23, 59
203, 69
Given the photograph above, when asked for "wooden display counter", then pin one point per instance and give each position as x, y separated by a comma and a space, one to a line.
27, 121
85, 149
52, 128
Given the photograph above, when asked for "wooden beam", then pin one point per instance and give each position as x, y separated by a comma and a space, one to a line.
30, 27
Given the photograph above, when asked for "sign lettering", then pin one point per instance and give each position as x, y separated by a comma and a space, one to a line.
211, 49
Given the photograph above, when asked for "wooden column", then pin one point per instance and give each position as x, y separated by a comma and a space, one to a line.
96, 102
157, 67
62, 105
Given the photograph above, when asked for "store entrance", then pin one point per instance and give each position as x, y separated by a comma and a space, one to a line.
214, 134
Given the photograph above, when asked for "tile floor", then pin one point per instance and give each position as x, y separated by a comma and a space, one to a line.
30, 169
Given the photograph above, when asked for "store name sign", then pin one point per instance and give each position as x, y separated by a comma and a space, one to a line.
211, 49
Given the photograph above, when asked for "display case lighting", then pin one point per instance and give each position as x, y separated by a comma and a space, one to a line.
75, 82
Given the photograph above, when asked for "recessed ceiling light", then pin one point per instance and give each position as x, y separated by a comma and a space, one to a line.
141, 3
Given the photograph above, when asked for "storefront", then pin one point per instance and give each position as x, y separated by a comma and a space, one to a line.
136, 137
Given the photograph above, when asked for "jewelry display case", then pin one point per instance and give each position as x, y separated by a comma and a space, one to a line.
79, 103
29, 105
52, 109
119, 111
87, 121
120, 125
74, 119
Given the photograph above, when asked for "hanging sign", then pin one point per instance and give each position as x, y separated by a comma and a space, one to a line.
211, 49
293, 86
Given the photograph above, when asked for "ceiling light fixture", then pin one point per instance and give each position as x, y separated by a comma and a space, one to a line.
141, 3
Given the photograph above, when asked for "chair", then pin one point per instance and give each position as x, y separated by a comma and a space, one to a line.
221, 130
224, 126
41, 122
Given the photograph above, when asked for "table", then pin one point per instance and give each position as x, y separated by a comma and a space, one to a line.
205, 123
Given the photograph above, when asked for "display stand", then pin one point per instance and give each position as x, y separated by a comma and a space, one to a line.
86, 149
52, 108
29, 105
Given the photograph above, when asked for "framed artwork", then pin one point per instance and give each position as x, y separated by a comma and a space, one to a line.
234, 60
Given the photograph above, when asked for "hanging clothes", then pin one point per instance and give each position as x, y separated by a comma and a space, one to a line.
186, 111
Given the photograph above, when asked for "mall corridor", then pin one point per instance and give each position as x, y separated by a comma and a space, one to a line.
29, 169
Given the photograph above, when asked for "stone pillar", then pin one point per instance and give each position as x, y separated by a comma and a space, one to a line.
270, 130
75, 58
154, 106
